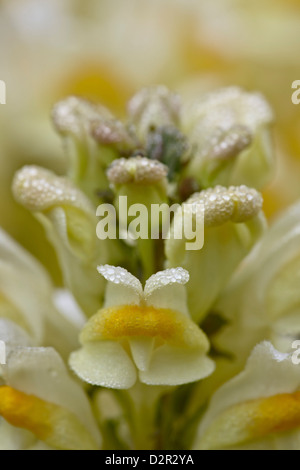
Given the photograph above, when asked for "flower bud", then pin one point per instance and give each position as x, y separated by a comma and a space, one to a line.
89, 132
229, 132
154, 107
70, 223
142, 181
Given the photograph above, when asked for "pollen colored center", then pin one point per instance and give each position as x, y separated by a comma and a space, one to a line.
142, 321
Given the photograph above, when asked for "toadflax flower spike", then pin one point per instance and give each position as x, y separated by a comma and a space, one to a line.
142, 333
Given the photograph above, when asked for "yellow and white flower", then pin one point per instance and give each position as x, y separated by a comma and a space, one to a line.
146, 334
41, 407
257, 410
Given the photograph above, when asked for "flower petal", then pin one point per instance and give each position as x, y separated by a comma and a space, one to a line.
123, 288
263, 293
104, 363
133, 321
12, 438
176, 366
51, 423
141, 350
31, 305
13, 336
42, 373
165, 289
263, 399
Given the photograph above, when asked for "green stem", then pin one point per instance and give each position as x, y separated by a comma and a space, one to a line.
145, 400
146, 255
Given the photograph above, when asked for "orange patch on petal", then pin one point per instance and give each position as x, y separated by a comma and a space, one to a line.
277, 414
51, 423
26, 411
144, 321
253, 420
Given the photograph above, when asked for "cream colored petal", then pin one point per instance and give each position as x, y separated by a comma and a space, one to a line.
289, 440
56, 426
31, 304
24, 295
105, 364
176, 366
265, 288
268, 419
12, 438
123, 288
141, 350
165, 289
284, 331
66, 304
13, 253
267, 374
36, 312
42, 373
27, 303
13, 335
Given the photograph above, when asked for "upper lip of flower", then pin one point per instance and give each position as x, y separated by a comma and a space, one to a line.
143, 315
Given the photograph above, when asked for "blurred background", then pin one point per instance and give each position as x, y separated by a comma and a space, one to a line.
108, 49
